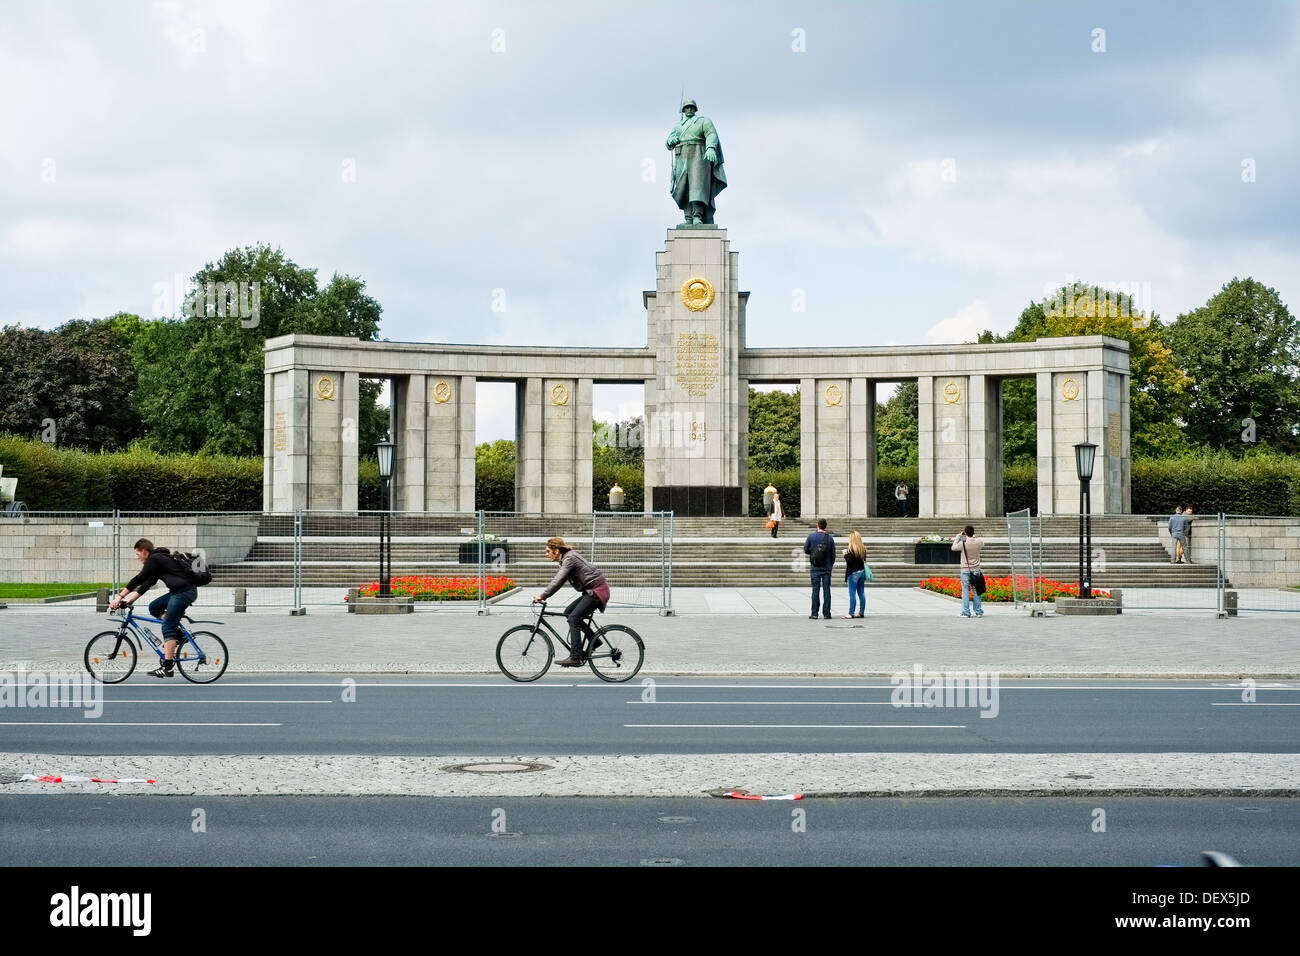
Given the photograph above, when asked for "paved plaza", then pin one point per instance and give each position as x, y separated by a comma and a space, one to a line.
730, 631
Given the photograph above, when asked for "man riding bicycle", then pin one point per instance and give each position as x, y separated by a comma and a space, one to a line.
585, 577
181, 593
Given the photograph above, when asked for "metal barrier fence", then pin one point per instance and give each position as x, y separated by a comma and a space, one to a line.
316, 558
1026, 564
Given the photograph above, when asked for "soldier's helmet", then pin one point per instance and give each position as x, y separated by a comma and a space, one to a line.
686, 103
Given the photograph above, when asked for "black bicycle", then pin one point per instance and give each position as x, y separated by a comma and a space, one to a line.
525, 652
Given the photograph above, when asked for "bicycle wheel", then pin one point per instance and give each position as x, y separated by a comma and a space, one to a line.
524, 653
109, 659
203, 659
619, 656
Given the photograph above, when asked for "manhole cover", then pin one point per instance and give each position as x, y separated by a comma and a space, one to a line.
663, 861
676, 819
503, 766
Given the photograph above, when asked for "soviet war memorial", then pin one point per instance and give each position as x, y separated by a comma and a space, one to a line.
731, 453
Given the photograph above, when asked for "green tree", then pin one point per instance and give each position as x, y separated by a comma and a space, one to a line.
896, 427
201, 377
1242, 352
1157, 386
621, 443
773, 430
79, 377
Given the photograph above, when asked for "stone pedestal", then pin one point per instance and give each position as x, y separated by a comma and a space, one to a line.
1087, 606
695, 439
388, 605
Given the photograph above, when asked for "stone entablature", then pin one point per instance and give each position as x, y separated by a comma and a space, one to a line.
696, 371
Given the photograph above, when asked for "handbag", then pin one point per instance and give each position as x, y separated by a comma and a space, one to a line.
770, 524
866, 573
976, 577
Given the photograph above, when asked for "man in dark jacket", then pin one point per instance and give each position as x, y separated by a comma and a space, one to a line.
181, 593
820, 547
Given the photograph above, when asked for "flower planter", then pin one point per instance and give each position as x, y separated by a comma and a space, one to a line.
494, 552
941, 553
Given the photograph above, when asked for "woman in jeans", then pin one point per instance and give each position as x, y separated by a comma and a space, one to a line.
855, 561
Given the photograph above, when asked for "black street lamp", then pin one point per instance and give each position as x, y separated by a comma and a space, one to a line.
1085, 454
384, 449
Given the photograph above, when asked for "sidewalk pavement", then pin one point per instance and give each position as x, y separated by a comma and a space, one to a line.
727, 631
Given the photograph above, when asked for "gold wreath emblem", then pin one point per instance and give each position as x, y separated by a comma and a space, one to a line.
952, 393
441, 392
834, 394
1070, 390
697, 294
325, 388
559, 395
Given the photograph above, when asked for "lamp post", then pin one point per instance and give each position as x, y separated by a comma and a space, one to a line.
1085, 454
384, 450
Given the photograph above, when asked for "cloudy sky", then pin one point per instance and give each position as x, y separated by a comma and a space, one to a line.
912, 172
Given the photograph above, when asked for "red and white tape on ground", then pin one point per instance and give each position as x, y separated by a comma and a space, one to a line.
740, 795
72, 779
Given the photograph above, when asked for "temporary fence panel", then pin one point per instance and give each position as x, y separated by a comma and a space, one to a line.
634, 550
58, 558
512, 550
1259, 557
248, 570
1026, 572
1146, 560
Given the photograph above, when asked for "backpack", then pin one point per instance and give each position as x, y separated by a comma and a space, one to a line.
193, 567
821, 551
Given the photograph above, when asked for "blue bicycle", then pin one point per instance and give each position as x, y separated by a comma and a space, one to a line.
111, 656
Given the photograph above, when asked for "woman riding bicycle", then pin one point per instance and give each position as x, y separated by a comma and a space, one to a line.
585, 577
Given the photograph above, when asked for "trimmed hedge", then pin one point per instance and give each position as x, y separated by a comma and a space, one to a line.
62, 479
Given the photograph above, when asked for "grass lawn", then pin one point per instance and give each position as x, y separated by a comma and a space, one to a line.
45, 590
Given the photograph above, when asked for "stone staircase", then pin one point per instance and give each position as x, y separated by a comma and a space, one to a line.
342, 551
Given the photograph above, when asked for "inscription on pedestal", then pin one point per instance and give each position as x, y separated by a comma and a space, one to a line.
281, 432
697, 362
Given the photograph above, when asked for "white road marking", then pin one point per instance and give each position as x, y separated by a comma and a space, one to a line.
812, 726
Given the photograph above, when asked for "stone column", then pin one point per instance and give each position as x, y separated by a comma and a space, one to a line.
409, 472
583, 498
528, 447
862, 447
325, 441
448, 417
467, 447
1046, 444
925, 447
1068, 396
832, 404
954, 459
742, 406
349, 440
562, 418
289, 423
650, 445
808, 504
694, 330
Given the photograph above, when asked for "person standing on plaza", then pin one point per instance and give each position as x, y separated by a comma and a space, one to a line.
900, 493
1187, 534
820, 548
777, 515
970, 548
855, 563
1178, 534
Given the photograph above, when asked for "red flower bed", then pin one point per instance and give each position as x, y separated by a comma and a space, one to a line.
999, 589
428, 588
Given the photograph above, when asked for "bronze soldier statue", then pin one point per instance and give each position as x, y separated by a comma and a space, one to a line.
697, 166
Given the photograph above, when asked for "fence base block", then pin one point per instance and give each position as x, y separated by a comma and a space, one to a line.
388, 605
297, 611
1090, 606
667, 612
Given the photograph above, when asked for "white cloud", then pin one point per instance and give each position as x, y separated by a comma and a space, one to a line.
964, 326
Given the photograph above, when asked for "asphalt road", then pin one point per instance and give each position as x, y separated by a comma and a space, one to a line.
393, 715
90, 830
